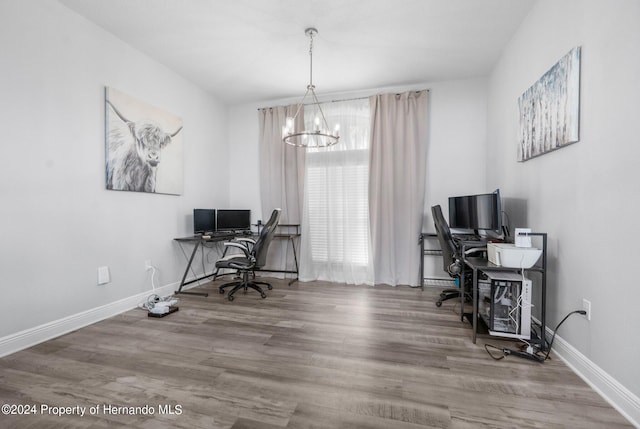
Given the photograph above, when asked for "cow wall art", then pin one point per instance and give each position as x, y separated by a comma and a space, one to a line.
143, 146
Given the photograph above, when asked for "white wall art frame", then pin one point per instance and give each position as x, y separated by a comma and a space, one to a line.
550, 109
143, 146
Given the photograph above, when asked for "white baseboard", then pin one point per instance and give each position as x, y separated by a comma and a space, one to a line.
32, 336
623, 400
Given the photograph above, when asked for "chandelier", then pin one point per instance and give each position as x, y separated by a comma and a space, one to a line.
319, 135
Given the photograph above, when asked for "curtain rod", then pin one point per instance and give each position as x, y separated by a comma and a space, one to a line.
348, 99
369, 96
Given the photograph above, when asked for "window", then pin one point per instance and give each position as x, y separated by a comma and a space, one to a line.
336, 206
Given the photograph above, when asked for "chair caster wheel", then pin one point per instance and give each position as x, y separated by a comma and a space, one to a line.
269, 287
264, 295
220, 291
230, 297
438, 303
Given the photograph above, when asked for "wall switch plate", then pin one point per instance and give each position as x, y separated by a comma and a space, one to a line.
586, 306
103, 275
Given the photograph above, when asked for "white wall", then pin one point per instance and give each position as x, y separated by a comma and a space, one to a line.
585, 196
457, 143
58, 223
244, 159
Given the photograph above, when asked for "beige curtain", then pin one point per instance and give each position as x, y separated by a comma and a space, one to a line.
281, 178
397, 184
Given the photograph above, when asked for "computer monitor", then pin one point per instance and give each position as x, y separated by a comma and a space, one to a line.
476, 212
233, 220
204, 221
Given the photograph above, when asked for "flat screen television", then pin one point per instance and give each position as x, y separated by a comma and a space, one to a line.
233, 220
477, 212
204, 221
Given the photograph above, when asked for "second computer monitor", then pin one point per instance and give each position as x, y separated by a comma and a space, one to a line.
477, 212
233, 220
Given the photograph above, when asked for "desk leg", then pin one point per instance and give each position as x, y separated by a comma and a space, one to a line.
186, 271
295, 259
474, 313
421, 279
462, 290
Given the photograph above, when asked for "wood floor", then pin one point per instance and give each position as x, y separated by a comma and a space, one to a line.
310, 355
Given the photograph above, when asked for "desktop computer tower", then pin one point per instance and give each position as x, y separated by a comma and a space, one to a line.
504, 303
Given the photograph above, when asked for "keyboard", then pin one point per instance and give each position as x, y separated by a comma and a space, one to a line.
467, 237
223, 234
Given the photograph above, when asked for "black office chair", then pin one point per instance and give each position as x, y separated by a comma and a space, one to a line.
253, 257
451, 261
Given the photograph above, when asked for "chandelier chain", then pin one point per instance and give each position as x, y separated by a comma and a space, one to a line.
311, 32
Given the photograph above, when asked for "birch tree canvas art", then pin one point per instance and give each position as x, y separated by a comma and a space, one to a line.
550, 109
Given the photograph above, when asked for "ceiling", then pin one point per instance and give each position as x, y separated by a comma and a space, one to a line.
256, 50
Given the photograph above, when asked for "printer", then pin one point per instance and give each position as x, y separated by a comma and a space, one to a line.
510, 256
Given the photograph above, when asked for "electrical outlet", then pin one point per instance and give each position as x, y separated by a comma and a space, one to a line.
147, 264
586, 306
103, 275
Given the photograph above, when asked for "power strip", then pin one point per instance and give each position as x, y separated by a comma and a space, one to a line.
168, 311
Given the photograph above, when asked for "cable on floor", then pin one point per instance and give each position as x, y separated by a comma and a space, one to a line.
486, 347
527, 355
